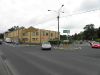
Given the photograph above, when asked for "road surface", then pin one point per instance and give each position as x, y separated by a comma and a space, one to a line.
31, 60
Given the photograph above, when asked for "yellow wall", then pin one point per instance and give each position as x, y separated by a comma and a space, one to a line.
32, 36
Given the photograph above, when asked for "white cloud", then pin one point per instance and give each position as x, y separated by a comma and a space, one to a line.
90, 4
35, 13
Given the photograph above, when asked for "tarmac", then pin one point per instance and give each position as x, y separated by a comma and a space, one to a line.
4, 69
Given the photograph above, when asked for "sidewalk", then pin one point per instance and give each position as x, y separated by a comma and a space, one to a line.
19, 45
22, 45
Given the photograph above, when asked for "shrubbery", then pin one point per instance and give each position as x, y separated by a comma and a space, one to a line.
98, 40
54, 42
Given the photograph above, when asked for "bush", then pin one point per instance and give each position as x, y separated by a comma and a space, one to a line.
54, 42
98, 40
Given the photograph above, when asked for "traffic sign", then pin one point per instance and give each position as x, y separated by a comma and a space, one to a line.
66, 31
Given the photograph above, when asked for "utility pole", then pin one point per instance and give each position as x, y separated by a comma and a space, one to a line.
58, 12
40, 35
58, 31
58, 25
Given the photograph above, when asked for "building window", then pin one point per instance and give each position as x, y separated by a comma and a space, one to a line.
46, 34
51, 34
37, 33
25, 39
36, 38
25, 34
33, 39
43, 33
33, 34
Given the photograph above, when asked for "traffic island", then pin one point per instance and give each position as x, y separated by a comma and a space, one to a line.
67, 47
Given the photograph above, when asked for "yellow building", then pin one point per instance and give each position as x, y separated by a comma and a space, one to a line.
31, 35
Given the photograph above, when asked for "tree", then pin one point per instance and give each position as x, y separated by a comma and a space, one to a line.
98, 32
13, 28
63, 37
1, 36
75, 36
22, 27
88, 27
89, 32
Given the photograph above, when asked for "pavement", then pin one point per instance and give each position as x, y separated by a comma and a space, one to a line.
4, 69
32, 60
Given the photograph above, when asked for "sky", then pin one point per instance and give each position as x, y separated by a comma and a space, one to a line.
35, 13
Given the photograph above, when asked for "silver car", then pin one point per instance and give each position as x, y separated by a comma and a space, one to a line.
46, 46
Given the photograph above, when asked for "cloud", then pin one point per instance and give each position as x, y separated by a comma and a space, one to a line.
90, 4
35, 13
26, 12
41, 19
77, 22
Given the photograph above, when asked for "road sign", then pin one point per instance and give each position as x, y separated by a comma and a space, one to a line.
66, 31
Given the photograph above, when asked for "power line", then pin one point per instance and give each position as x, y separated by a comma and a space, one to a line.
83, 12
78, 13
59, 2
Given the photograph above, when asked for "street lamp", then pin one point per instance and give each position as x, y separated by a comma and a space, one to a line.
59, 11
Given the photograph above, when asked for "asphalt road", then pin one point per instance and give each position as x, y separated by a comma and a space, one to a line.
25, 60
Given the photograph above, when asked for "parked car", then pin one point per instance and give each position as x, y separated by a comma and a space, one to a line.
8, 40
95, 45
46, 46
0, 42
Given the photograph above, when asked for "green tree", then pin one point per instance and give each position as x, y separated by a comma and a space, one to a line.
63, 37
1, 36
89, 32
98, 32
13, 28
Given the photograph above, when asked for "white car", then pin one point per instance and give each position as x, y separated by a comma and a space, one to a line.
46, 45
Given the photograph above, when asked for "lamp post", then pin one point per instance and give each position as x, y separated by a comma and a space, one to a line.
58, 12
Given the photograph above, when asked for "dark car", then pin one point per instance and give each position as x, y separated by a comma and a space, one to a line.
0, 42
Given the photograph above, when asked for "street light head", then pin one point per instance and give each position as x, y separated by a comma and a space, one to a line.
62, 5
62, 12
49, 10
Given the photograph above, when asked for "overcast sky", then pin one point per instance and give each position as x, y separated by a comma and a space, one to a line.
35, 13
